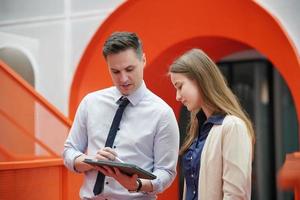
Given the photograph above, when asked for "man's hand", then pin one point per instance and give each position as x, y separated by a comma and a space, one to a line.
129, 182
80, 166
126, 181
106, 153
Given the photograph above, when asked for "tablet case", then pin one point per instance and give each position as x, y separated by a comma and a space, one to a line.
126, 168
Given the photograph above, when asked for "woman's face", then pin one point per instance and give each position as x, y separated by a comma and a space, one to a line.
187, 91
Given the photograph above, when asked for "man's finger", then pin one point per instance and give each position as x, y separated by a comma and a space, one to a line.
110, 150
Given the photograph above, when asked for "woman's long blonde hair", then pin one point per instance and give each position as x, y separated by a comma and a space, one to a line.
217, 96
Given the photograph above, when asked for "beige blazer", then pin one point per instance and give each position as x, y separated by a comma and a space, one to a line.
226, 162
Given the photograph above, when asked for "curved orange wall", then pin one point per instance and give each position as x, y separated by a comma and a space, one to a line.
168, 28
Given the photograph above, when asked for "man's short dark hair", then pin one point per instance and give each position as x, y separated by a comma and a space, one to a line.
121, 41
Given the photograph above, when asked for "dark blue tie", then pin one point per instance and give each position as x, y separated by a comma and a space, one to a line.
98, 188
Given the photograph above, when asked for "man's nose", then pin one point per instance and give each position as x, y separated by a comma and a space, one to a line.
123, 77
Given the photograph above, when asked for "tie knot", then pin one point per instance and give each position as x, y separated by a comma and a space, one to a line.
123, 102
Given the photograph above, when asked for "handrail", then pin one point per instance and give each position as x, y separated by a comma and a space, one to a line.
14, 79
25, 132
12, 165
34, 94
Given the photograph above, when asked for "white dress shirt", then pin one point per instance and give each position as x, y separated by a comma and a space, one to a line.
148, 137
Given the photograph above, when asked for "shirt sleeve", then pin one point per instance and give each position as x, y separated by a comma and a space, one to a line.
166, 146
76, 142
237, 161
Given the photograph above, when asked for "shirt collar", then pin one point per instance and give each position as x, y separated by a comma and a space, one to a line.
214, 119
135, 97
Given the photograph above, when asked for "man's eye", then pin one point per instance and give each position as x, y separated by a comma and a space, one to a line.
115, 72
129, 70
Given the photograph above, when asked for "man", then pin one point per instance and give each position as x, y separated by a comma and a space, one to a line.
147, 135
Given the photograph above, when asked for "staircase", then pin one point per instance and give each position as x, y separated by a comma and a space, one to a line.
32, 134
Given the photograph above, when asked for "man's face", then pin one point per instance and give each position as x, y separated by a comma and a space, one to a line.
126, 70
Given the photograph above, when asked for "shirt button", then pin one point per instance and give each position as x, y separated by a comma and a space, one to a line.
115, 147
192, 175
106, 183
194, 192
191, 157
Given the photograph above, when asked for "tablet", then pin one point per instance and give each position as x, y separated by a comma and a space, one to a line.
125, 168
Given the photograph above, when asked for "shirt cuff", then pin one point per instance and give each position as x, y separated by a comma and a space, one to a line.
157, 186
70, 160
74, 168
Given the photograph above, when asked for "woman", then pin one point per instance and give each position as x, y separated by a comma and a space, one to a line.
217, 152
